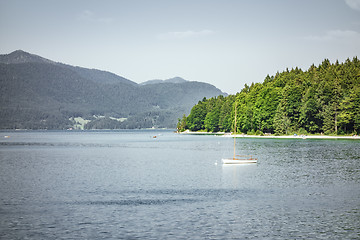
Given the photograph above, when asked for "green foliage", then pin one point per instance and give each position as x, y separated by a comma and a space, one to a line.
181, 126
225, 118
281, 120
103, 123
196, 119
323, 99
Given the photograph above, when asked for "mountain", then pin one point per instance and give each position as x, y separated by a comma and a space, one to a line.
95, 75
20, 56
170, 80
37, 93
99, 76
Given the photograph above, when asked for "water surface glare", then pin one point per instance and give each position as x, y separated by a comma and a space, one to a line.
130, 185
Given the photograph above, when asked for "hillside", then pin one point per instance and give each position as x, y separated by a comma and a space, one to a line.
171, 80
37, 93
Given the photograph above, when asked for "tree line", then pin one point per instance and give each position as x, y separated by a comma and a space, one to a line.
323, 99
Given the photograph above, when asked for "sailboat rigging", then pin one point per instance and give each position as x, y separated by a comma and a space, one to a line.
238, 159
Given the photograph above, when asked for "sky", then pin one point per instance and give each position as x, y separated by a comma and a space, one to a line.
227, 43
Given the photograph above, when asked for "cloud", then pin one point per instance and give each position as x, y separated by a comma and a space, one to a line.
354, 4
335, 35
185, 34
90, 16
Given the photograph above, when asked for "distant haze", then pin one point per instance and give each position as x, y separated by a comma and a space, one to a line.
225, 43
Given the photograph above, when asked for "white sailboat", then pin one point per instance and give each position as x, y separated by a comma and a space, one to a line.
238, 159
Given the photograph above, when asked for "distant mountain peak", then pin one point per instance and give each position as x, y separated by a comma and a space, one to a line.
170, 80
176, 80
20, 56
99, 76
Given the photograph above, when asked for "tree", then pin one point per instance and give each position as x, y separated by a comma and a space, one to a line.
309, 117
211, 121
355, 96
281, 120
195, 121
181, 126
328, 115
225, 114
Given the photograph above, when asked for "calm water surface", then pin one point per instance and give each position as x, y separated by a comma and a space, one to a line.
129, 185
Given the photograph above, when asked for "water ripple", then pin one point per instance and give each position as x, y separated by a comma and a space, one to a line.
137, 202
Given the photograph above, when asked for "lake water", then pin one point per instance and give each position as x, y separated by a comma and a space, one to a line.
129, 185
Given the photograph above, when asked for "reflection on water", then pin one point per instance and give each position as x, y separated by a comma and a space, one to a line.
129, 185
238, 175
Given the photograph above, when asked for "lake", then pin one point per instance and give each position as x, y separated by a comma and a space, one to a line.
131, 185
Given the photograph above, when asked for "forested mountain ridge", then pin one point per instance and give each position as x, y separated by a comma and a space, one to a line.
37, 93
95, 75
323, 99
171, 80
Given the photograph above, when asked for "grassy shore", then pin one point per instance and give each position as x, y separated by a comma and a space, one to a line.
274, 136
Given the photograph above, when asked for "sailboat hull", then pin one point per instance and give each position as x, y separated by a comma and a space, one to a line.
238, 161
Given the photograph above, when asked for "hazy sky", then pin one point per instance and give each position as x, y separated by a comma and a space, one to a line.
223, 42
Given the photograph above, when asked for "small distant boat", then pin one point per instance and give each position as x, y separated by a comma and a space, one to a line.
238, 159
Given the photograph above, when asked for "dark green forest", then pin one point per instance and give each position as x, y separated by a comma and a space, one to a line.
324, 99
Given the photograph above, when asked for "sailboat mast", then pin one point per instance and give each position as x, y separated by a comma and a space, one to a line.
235, 129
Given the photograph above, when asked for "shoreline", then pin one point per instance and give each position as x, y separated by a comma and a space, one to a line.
223, 134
